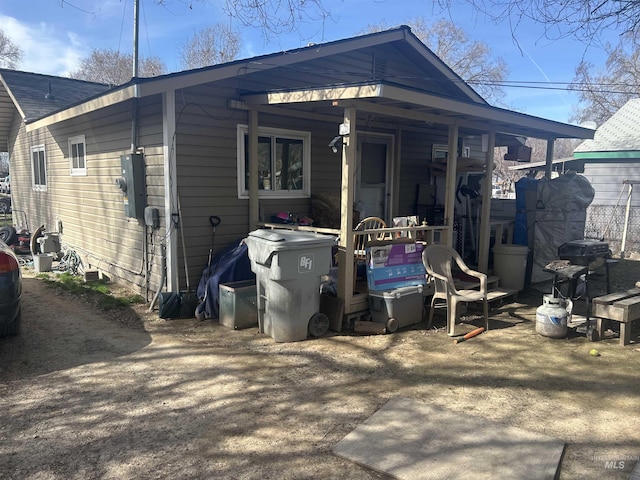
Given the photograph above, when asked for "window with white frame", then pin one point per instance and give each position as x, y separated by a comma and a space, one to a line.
39, 167
284, 162
77, 156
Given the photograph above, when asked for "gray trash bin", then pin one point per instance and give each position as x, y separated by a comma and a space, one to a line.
288, 267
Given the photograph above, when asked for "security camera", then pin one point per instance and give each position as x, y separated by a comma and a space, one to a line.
334, 143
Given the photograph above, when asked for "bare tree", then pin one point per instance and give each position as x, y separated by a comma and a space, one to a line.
582, 19
209, 46
270, 16
114, 68
277, 16
470, 59
604, 92
10, 53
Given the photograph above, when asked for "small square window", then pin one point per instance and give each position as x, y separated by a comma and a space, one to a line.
77, 156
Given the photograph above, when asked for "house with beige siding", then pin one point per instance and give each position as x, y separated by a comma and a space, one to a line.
366, 120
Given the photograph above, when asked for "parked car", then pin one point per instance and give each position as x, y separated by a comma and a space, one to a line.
10, 292
5, 184
5, 205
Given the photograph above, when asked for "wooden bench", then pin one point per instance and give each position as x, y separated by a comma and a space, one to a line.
622, 307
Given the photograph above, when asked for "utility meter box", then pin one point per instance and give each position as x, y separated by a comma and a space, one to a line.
132, 184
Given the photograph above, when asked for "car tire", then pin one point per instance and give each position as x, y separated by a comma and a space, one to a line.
8, 235
12, 328
5, 207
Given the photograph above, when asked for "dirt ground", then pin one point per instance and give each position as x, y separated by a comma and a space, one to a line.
85, 395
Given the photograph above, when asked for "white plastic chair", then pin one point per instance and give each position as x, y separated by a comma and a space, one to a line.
438, 261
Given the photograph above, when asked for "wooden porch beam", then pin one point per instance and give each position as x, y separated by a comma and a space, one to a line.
254, 200
484, 230
548, 168
346, 270
450, 183
391, 111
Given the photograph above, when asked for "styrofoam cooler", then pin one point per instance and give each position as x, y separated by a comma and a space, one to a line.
398, 307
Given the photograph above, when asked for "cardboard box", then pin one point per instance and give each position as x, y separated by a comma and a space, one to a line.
395, 265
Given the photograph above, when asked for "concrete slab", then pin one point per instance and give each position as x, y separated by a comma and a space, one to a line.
410, 439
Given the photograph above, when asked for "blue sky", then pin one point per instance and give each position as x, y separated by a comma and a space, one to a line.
56, 34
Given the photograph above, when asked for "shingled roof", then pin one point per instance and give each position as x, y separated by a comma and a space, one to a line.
618, 134
36, 95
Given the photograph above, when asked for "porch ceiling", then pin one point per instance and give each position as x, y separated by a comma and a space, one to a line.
399, 105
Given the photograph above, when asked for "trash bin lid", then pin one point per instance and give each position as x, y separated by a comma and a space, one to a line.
262, 243
285, 238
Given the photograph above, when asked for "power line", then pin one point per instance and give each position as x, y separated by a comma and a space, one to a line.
567, 87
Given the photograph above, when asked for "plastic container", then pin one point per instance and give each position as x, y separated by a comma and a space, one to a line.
510, 264
289, 266
397, 308
552, 317
42, 263
237, 302
49, 243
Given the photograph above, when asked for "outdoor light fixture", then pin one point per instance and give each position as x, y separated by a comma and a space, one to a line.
337, 140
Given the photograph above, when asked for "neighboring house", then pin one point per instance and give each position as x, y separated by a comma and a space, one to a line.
245, 140
610, 159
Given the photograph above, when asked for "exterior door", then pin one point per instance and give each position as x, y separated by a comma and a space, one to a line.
373, 176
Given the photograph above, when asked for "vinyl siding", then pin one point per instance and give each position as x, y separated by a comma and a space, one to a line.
88, 211
606, 179
206, 156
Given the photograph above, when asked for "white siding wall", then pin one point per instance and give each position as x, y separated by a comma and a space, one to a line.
607, 178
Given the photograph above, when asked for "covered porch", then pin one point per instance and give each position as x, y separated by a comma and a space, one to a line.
419, 132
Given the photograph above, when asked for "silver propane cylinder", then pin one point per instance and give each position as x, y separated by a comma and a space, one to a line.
552, 317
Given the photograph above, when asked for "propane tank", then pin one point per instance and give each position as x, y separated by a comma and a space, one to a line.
552, 317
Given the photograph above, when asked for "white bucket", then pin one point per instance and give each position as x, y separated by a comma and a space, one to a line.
510, 264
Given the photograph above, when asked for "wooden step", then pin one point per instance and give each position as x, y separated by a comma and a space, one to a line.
500, 294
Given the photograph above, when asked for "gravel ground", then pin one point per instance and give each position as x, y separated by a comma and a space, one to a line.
90, 395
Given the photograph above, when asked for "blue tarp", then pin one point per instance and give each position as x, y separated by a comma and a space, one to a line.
230, 265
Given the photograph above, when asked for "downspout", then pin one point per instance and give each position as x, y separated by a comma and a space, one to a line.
163, 276
134, 78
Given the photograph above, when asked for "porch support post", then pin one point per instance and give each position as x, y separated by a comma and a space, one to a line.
397, 166
346, 269
484, 231
549, 165
450, 185
254, 202
169, 139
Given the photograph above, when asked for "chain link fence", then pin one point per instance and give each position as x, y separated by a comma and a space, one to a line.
607, 222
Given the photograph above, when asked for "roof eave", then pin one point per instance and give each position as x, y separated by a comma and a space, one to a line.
620, 154
452, 110
97, 103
